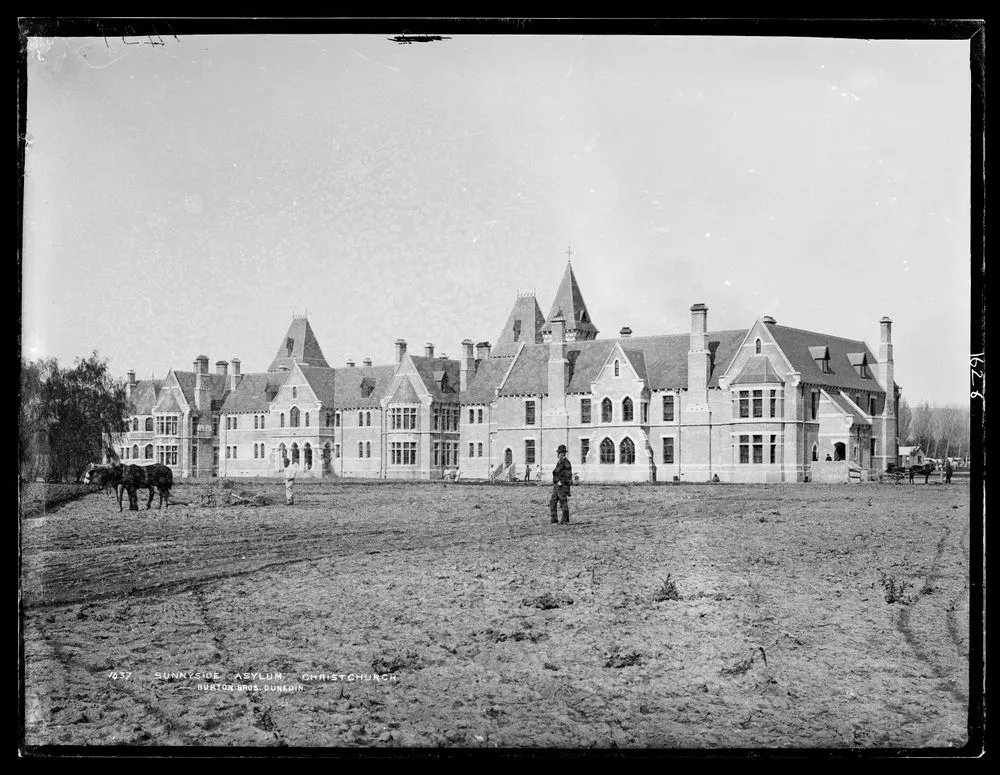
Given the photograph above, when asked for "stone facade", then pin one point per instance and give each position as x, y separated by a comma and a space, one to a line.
763, 404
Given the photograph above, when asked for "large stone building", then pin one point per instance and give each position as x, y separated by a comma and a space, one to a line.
768, 403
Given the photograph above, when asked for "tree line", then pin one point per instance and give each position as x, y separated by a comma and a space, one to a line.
68, 417
940, 431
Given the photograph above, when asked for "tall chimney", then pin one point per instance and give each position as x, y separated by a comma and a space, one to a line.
886, 370
221, 368
350, 363
699, 358
130, 385
367, 362
235, 377
625, 333
428, 350
466, 364
202, 392
483, 351
557, 362
400, 350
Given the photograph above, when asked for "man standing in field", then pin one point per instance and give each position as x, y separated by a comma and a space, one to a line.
949, 469
291, 470
562, 478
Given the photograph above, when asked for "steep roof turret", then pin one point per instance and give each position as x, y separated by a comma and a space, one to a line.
299, 346
569, 304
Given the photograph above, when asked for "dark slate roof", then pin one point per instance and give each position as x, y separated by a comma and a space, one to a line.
664, 357
353, 385
299, 346
638, 360
432, 370
570, 305
321, 379
144, 394
847, 407
218, 386
795, 344
756, 370
254, 392
482, 387
524, 324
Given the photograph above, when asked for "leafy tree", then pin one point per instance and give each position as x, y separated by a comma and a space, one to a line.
69, 417
904, 422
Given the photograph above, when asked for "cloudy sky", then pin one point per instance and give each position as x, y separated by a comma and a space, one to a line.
189, 198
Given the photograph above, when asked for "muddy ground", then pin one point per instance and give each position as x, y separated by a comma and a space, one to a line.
661, 617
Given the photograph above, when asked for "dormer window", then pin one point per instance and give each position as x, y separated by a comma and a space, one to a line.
860, 363
821, 357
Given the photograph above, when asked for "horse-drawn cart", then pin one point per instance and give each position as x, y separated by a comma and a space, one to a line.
893, 474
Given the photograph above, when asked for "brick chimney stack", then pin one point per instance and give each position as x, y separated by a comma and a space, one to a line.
699, 357
466, 365
400, 350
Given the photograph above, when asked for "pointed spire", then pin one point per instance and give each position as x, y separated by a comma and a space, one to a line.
298, 346
569, 304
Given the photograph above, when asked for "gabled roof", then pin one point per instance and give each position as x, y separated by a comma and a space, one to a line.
144, 395
299, 346
217, 384
796, 343
524, 324
847, 407
362, 387
665, 360
488, 377
756, 370
254, 392
321, 380
569, 304
405, 393
638, 360
432, 372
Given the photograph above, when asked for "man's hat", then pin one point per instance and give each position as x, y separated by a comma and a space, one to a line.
562, 449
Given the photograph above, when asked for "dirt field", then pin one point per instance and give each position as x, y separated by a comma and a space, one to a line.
489, 627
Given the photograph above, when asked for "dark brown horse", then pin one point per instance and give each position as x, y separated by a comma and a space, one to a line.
157, 477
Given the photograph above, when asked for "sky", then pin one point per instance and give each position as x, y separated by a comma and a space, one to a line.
189, 198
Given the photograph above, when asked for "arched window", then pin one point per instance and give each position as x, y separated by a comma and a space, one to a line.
361, 449
757, 347
307, 456
135, 450
627, 410
326, 419
617, 370
607, 451
295, 453
361, 419
307, 419
606, 410
135, 423
282, 454
149, 424
626, 451
368, 449
254, 451
293, 417
256, 423
149, 452
282, 418
368, 418
262, 420
815, 452
295, 392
